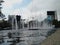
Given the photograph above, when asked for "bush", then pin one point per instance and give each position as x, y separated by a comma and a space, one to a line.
4, 24
56, 23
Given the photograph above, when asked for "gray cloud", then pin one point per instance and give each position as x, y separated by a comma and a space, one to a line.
37, 8
45, 5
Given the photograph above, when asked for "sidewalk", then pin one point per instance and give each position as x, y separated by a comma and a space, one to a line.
54, 39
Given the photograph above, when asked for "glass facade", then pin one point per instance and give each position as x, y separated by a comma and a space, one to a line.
51, 15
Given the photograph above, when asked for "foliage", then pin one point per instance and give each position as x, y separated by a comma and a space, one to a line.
4, 24
56, 23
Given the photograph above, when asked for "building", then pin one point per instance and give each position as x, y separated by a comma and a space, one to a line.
51, 15
15, 21
34, 23
48, 22
18, 19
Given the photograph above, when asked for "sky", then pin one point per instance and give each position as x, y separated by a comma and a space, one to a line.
31, 8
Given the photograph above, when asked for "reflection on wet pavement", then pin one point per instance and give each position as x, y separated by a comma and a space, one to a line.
28, 37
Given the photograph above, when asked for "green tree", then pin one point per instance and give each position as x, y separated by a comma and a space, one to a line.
4, 24
56, 23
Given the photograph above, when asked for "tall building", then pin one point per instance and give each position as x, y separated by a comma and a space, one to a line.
1, 14
15, 20
18, 19
51, 15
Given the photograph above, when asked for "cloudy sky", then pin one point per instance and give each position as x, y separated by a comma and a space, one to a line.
30, 8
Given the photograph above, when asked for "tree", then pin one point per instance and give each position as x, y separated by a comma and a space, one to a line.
4, 24
56, 23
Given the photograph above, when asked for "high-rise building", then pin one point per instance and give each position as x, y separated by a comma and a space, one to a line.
18, 19
52, 15
15, 20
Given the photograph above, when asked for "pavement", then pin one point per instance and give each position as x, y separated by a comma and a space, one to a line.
54, 39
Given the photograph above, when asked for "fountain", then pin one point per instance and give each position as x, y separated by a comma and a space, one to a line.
16, 23
28, 36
